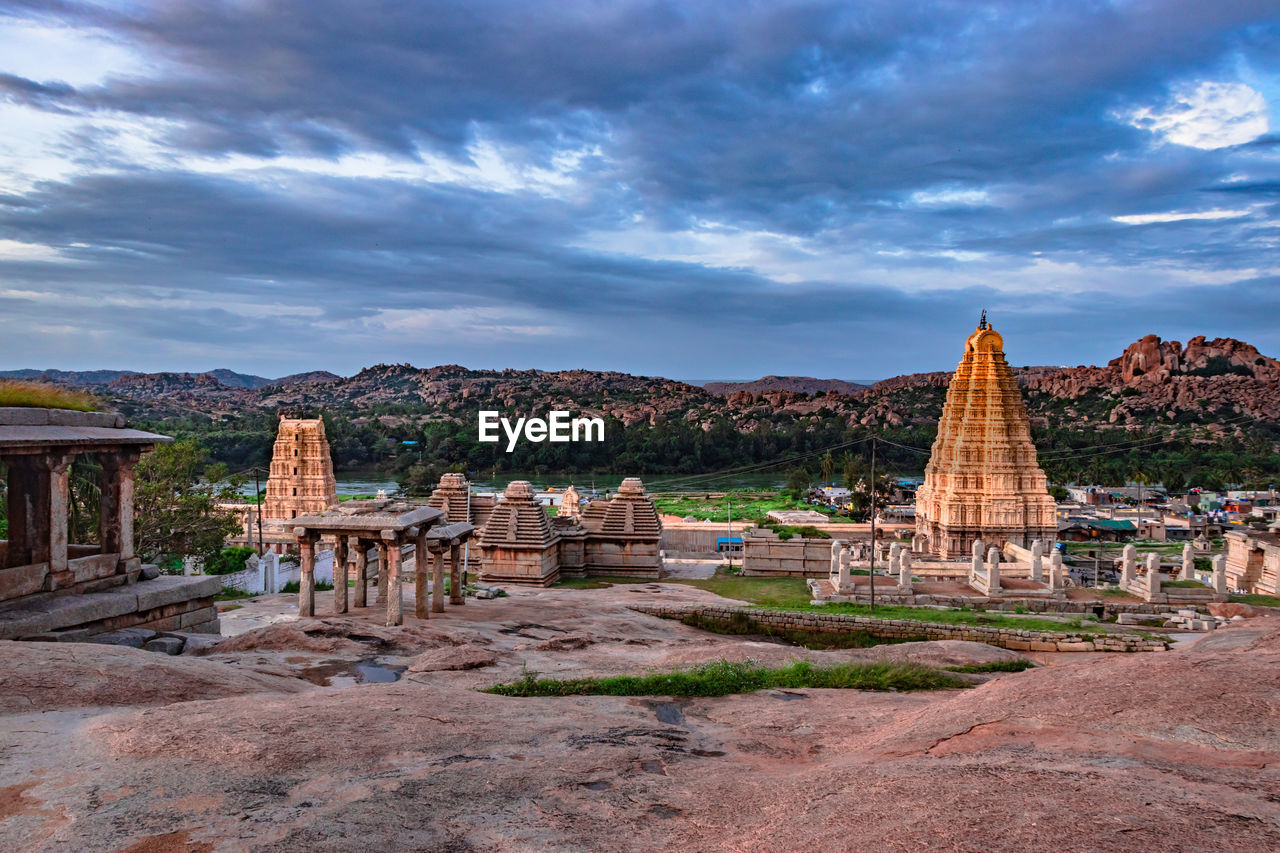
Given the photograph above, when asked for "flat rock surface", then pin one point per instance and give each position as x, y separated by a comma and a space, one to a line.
1172, 751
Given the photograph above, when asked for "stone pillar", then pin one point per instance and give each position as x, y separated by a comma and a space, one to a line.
38, 492
1055, 570
975, 564
1037, 561
382, 571
993, 571
457, 595
837, 545
420, 576
22, 500
1153, 575
1128, 566
115, 526
894, 550
844, 574
340, 575
904, 571
307, 583
437, 580
362, 573
1220, 574
395, 601
1188, 564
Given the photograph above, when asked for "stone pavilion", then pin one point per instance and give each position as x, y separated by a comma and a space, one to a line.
983, 481
54, 589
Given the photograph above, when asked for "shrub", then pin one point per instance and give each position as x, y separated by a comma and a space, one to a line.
230, 561
295, 586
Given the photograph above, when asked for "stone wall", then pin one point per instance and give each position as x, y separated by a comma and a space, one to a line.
167, 603
764, 554
910, 629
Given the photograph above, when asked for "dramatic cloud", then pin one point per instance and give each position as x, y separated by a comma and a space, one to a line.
690, 189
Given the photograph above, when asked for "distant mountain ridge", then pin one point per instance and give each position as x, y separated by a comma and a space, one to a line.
798, 384
222, 376
1217, 384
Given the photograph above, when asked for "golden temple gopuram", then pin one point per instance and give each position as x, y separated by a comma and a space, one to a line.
982, 480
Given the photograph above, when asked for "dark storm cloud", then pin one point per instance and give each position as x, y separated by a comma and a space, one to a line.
907, 134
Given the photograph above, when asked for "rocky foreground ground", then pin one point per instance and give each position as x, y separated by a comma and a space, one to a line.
243, 746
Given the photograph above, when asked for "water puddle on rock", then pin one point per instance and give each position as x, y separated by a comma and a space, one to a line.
669, 713
346, 673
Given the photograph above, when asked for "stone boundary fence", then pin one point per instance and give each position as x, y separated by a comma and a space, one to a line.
910, 629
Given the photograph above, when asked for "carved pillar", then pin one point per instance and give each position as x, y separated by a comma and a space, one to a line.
382, 572
437, 580
307, 583
420, 576
38, 494
115, 526
1153, 576
1220, 574
456, 592
395, 601
362, 570
340, 575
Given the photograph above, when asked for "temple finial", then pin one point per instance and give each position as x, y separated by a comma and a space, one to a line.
982, 324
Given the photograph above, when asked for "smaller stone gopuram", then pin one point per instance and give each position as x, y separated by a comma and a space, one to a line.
623, 534
301, 481
982, 481
518, 541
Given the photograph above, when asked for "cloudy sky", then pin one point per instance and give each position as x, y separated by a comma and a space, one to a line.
688, 189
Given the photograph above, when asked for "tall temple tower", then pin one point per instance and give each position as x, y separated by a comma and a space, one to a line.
301, 479
982, 480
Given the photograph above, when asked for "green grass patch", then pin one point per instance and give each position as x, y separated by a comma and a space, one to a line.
747, 506
230, 593
742, 624
1256, 600
764, 592
723, 678
995, 666
952, 617
1183, 585
37, 395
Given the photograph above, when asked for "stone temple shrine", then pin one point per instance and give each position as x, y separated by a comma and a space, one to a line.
983, 481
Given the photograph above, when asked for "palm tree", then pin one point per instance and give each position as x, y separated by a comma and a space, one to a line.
827, 463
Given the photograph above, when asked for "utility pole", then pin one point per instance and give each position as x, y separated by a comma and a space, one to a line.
258, 502
872, 573
729, 500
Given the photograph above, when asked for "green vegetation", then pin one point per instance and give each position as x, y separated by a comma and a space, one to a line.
723, 678
950, 617
362, 497
766, 592
37, 395
295, 586
748, 506
1017, 665
177, 499
742, 624
230, 593
231, 560
1183, 585
805, 531
1256, 600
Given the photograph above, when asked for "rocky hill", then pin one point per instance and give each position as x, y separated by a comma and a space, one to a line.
796, 384
1221, 382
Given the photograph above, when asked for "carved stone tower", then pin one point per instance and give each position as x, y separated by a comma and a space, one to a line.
301, 480
982, 480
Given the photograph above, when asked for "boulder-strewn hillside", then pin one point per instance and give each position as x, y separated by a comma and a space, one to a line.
797, 384
1207, 382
